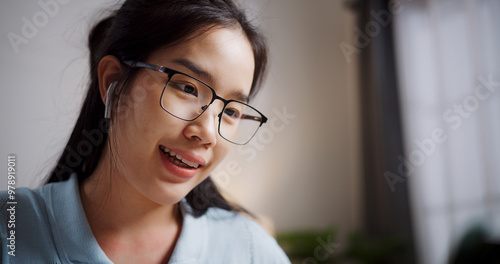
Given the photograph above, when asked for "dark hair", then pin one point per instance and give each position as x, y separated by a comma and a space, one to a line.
133, 32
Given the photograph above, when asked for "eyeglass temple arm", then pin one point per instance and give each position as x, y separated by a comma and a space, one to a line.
138, 64
262, 120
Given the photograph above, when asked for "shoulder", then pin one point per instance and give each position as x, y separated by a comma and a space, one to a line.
21, 202
246, 234
26, 204
24, 224
19, 205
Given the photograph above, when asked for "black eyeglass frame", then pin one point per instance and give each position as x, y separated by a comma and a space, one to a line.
170, 72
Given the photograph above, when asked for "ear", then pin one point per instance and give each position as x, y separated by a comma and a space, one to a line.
108, 70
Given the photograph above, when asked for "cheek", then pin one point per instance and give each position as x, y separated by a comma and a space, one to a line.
140, 124
141, 107
220, 152
143, 99
134, 129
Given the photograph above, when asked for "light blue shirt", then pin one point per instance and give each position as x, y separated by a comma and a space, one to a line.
51, 227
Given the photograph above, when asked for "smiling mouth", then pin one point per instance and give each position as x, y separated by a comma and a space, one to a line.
178, 159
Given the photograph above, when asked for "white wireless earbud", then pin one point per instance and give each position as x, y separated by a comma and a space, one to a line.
109, 100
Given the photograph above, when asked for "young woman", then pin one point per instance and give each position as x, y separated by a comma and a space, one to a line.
168, 97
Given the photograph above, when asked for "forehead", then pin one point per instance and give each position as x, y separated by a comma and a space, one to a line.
221, 57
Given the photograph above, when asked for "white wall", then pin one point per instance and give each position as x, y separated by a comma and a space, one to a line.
43, 80
302, 172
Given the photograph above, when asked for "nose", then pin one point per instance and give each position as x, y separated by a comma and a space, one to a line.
204, 128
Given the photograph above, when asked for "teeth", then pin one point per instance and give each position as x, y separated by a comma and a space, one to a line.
179, 158
191, 164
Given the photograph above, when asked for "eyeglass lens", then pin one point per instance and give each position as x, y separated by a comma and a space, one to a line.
187, 98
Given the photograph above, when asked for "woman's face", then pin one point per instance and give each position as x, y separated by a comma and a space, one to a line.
143, 132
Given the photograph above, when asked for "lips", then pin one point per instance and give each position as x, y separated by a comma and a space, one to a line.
179, 160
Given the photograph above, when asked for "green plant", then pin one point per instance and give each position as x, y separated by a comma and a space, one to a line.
320, 246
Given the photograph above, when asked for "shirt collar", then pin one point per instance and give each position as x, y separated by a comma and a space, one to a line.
190, 247
74, 240
76, 243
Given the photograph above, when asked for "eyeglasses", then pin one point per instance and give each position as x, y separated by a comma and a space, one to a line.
187, 98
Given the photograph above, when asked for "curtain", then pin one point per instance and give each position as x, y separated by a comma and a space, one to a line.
448, 57
386, 211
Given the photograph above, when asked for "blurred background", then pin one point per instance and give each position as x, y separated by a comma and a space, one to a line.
382, 143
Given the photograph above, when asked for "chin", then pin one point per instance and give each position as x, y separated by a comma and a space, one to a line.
169, 193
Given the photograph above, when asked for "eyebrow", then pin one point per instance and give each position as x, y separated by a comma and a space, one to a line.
207, 76
239, 96
194, 68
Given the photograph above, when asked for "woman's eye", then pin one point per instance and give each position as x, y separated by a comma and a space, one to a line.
189, 89
186, 88
232, 113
